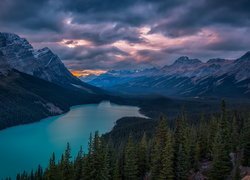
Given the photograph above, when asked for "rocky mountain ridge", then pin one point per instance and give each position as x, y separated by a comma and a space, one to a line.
17, 53
185, 77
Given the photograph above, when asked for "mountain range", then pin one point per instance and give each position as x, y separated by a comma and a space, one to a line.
184, 78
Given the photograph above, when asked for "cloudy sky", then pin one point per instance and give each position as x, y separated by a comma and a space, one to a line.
122, 34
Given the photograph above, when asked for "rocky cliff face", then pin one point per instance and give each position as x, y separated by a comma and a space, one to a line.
19, 54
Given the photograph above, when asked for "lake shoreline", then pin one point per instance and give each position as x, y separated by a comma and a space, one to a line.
52, 134
73, 106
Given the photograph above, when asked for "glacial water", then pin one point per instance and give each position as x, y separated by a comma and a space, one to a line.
24, 147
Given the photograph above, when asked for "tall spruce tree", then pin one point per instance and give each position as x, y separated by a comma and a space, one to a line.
182, 148
167, 171
88, 161
106, 163
159, 144
52, 170
222, 165
66, 164
117, 173
246, 143
143, 165
181, 166
78, 165
130, 161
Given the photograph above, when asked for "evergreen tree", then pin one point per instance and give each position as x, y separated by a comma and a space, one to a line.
106, 170
98, 158
159, 144
66, 164
224, 128
38, 173
221, 166
88, 161
181, 167
197, 156
52, 170
167, 171
78, 165
221, 161
246, 143
130, 164
182, 148
117, 173
143, 164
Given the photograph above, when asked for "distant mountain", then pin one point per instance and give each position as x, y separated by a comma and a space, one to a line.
184, 78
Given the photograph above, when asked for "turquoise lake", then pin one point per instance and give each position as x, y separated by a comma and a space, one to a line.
24, 147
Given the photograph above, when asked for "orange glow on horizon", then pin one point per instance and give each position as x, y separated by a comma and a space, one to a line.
86, 72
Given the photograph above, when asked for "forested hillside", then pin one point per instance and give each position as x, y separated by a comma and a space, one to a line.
25, 99
215, 148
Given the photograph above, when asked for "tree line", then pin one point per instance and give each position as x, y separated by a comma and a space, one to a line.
215, 148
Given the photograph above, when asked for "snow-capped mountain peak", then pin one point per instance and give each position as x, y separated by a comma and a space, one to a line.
184, 60
185, 77
19, 54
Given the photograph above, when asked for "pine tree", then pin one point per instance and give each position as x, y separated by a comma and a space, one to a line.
221, 161
181, 167
213, 128
117, 173
52, 170
224, 125
235, 134
159, 144
106, 161
130, 161
98, 158
88, 161
78, 165
182, 148
143, 164
167, 171
66, 164
197, 156
221, 166
246, 143
38, 173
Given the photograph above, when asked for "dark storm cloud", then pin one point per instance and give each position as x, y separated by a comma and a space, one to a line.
132, 12
196, 14
83, 57
105, 22
82, 52
30, 14
230, 40
107, 33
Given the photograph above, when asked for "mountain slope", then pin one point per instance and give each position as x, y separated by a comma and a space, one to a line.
184, 78
19, 54
35, 84
26, 99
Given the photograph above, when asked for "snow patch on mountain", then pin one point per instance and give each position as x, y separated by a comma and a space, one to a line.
19, 54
